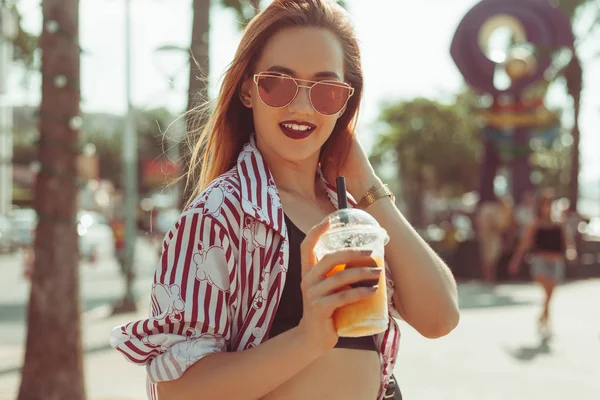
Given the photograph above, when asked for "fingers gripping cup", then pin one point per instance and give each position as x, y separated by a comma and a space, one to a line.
356, 229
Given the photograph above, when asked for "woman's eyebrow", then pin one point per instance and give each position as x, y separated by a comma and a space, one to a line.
291, 72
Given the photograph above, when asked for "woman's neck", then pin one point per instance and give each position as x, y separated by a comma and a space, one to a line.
293, 178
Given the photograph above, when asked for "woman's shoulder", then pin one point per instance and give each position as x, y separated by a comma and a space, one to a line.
222, 194
217, 209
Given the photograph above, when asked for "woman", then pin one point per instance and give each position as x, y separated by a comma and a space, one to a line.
545, 239
223, 325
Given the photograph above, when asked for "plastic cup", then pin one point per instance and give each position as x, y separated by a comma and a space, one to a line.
356, 229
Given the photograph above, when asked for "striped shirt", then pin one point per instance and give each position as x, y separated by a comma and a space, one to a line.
220, 278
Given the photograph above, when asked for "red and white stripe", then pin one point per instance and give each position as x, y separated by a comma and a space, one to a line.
215, 320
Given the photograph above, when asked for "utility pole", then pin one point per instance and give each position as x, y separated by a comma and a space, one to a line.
164, 56
8, 30
130, 177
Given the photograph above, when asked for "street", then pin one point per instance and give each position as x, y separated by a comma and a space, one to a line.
494, 354
101, 286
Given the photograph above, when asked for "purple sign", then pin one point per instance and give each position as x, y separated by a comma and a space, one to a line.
542, 26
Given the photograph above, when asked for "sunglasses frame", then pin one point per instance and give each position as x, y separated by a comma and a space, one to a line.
298, 86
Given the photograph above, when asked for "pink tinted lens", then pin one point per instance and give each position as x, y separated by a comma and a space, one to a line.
276, 91
328, 98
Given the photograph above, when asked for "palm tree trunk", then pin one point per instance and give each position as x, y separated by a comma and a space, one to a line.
53, 368
198, 81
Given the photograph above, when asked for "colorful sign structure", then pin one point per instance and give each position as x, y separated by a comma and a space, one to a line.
506, 50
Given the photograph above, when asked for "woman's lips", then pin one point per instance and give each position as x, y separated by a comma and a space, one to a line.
295, 134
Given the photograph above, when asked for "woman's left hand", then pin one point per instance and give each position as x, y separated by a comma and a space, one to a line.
359, 173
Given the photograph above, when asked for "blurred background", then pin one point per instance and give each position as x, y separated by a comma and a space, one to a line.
466, 102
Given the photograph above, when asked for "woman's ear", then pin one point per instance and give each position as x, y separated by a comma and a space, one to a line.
246, 92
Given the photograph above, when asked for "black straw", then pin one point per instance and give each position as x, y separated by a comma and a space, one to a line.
340, 183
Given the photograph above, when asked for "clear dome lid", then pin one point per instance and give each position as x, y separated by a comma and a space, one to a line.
354, 219
351, 217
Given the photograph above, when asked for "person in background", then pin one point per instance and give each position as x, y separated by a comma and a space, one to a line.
492, 220
525, 212
546, 240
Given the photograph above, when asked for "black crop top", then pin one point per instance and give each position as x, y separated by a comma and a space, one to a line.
289, 312
549, 239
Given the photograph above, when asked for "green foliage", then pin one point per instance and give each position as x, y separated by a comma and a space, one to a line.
434, 143
105, 132
152, 143
342, 3
244, 9
434, 147
551, 163
24, 43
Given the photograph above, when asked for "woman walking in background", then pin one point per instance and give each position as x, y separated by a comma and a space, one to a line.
545, 239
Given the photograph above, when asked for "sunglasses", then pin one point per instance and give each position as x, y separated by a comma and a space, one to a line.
279, 90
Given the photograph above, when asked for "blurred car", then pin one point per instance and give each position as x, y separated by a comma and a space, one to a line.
23, 222
95, 234
7, 240
96, 238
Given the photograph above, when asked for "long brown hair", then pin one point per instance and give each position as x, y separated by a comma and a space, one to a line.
230, 124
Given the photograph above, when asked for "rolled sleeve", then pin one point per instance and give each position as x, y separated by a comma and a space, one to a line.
189, 301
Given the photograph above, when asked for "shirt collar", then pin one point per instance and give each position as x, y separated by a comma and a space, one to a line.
260, 198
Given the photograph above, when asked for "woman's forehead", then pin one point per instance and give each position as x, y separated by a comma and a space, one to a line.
307, 51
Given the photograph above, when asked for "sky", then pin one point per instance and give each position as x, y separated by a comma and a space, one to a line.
405, 54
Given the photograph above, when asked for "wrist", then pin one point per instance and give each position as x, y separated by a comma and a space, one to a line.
313, 347
360, 185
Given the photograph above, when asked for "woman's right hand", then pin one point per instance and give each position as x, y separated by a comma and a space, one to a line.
322, 294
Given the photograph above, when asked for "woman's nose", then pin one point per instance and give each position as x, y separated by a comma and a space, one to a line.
301, 104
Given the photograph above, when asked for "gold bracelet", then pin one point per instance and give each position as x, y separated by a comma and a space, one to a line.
375, 193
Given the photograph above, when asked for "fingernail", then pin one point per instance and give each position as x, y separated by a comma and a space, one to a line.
374, 288
376, 271
367, 283
366, 252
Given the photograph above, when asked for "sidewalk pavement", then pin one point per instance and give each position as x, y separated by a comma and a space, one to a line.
494, 354
108, 376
